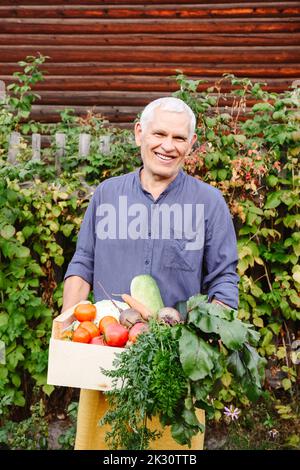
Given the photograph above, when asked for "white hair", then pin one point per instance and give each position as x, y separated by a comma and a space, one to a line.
168, 103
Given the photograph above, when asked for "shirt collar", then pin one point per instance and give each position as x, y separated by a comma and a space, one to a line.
178, 180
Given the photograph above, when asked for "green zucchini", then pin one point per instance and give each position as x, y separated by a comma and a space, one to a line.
145, 289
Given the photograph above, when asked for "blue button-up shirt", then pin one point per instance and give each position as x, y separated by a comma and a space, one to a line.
185, 239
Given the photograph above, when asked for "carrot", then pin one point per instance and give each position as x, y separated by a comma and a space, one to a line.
133, 303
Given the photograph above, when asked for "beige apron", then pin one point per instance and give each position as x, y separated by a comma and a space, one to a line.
90, 436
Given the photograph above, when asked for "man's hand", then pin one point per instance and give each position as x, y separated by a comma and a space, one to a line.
218, 302
76, 289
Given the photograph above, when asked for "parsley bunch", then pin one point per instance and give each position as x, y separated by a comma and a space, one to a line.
148, 381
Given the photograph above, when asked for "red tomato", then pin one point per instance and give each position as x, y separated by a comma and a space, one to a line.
81, 335
85, 312
98, 340
116, 335
105, 321
91, 328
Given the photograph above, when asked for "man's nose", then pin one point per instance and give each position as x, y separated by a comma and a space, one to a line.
168, 144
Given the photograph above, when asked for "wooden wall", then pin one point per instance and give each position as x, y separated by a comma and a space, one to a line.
117, 55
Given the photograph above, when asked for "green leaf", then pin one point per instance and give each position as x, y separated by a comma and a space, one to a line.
243, 265
59, 260
3, 319
226, 380
36, 269
190, 417
256, 291
196, 356
67, 229
33, 283
22, 252
253, 336
286, 383
211, 160
267, 338
56, 211
28, 231
195, 300
240, 138
255, 364
7, 232
295, 299
233, 334
178, 432
19, 400
16, 380
48, 389
222, 174
257, 321
275, 327
54, 226
235, 364
19, 272
273, 200
262, 107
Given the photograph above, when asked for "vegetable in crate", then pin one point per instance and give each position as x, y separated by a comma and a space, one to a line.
145, 290
170, 371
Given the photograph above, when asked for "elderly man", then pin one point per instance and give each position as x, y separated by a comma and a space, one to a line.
157, 220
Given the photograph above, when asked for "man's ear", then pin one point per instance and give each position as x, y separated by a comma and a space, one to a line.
193, 140
138, 133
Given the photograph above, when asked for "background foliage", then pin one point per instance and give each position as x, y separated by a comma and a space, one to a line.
248, 146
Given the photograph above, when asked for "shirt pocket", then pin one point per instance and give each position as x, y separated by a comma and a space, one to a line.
176, 256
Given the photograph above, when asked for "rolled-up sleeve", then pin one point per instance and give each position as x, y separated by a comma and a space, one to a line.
220, 259
82, 263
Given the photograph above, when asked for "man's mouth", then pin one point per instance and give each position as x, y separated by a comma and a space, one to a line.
164, 158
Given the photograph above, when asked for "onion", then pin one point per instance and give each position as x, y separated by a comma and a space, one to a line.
130, 317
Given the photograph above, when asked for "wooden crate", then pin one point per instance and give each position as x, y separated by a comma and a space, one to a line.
78, 365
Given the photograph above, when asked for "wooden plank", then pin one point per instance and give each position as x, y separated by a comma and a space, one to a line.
84, 144
36, 147
104, 144
117, 99
13, 147
60, 144
272, 39
115, 114
66, 26
2, 90
265, 70
156, 54
50, 114
187, 11
133, 83
133, 2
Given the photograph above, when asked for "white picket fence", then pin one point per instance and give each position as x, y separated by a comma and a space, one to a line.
84, 144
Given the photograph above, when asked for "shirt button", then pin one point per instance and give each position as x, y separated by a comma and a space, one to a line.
147, 261
149, 234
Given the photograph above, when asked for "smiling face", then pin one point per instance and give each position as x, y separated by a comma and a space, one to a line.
164, 143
